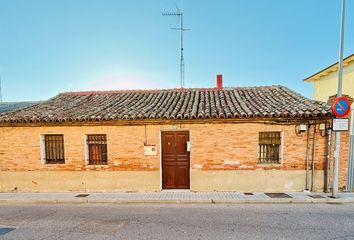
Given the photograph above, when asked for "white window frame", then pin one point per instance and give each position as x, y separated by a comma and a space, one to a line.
42, 147
86, 150
281, 147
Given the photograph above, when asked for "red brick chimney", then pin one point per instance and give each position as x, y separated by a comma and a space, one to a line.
219, 82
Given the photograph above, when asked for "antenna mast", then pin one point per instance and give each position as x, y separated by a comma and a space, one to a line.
179, 14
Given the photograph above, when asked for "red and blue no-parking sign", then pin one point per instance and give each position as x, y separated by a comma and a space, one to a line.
341, 107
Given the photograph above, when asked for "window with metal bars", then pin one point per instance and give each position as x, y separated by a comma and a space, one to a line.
97, 149
269, 147
54, 149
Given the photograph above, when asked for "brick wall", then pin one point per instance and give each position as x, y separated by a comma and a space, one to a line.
215, 146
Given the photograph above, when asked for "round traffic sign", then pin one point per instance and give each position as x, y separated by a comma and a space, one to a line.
341, 107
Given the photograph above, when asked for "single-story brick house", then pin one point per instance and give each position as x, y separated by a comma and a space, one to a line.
217, 139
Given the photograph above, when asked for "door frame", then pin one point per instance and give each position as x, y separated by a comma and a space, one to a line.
190, 153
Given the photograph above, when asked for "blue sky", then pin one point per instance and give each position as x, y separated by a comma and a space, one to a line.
52, 46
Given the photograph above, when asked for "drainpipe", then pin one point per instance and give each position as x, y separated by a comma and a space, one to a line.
313, 157
350, 176
328, 158
307, 156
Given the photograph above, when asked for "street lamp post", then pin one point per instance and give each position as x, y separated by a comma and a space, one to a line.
339, 94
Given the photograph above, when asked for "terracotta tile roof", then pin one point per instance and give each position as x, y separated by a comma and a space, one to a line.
247, 102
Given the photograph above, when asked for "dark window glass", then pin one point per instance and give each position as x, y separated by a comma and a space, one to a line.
97, 147
54, 149
269, 147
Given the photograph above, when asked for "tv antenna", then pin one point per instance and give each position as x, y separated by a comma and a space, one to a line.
179, 14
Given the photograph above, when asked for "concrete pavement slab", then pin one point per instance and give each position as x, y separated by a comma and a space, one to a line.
171, 197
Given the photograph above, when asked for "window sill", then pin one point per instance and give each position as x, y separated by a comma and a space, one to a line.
53, 164
97, 166
269, 164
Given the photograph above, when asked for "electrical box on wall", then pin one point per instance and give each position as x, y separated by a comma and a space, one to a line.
150, 150
189, 146
302, 127
322, 126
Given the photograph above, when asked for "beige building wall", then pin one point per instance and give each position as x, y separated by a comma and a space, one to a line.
327, 85
224, 157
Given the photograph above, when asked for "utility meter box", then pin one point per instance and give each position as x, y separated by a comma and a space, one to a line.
322, 126
189, 146
302, 127
150, 150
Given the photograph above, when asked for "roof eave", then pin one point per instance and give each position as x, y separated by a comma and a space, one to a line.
329, 69
129, 122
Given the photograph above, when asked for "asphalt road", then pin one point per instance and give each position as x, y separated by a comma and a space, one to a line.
209, 221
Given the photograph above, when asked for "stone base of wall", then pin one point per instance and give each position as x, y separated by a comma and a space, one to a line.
146, 181
74, 181
254, 181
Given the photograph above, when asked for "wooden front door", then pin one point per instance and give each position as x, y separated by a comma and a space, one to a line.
175, 160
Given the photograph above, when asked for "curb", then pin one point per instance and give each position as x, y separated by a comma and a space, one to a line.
29, 201
269, 201
175, 201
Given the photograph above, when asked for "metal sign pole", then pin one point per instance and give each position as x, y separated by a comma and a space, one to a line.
339, 94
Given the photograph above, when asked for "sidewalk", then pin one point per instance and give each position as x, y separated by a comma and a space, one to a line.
175, 197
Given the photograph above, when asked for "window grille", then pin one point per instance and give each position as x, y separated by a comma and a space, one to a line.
269, 147
97, 149
54, 149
